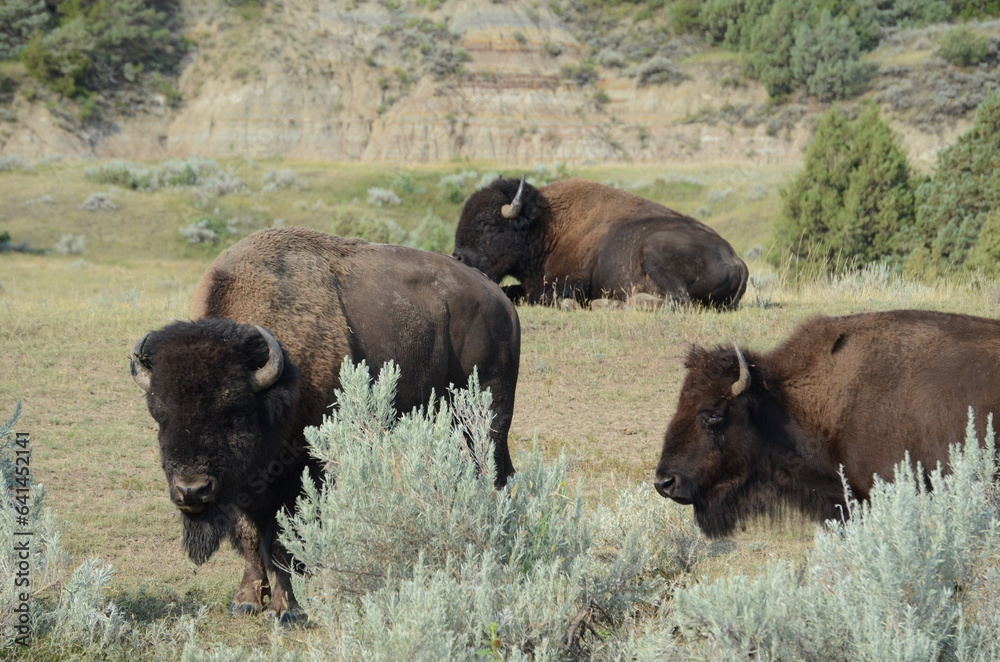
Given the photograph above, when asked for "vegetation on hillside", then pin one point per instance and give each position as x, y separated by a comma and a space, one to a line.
851, 200
802, 46
115, 53
856, 200
958, 208
87, 48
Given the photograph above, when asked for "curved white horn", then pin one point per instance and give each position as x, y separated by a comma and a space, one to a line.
511, 211
743, 383
270, 371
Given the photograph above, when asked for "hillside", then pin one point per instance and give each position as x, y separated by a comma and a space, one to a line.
467, 79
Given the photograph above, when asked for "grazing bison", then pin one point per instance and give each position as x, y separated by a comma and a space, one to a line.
755, 432
274, 317
583, 240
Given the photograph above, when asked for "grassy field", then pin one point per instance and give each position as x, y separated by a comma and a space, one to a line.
599, 386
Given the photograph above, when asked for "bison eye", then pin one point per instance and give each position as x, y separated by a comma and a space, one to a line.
713, 420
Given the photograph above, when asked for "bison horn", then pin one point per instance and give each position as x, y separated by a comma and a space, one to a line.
270, 371
743, 383
140, 373
511, 211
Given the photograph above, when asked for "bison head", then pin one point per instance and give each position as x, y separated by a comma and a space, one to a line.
499, 230
222, 395
713, 454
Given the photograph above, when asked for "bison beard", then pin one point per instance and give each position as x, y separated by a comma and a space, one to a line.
772, 495
204, 532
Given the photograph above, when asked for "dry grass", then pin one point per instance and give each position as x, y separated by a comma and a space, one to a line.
599, 386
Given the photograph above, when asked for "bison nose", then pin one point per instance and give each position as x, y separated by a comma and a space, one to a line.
663, 486
192, 493
465, 258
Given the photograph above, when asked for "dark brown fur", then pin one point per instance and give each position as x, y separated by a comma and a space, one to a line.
584, 240
324, 298
858, 391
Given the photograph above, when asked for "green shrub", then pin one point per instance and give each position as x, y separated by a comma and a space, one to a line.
70, 244
59, 58
11, 163
658, 70
826, 59
581, 74
377, 230
430, 43
769, 46
969, 9
193, 171
433, 233
379, 197
984, 256
910, 576
105, 45
826, 38
208, 229
953, 205
19, 21
852, 200
961, 47
730, 22
685, 17
908, 14
412, 553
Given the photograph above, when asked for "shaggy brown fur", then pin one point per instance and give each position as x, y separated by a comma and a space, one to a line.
585, 240
858, 391
324, 298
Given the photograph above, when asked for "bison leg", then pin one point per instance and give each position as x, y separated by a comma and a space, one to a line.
254, 587
503, 412
283, 605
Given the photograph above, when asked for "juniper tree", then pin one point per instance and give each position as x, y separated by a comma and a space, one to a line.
955, 203
851, 200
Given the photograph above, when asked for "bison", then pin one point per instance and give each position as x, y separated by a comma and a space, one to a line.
756, 432
584, 240
273, 318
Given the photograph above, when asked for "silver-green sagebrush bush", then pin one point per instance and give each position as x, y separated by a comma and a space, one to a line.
80, 615
910, 576
412, 554
70, 615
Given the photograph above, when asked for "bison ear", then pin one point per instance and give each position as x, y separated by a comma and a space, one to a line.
141, 372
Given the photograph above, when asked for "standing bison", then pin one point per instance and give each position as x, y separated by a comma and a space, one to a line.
583, 240
273, 319
755, 432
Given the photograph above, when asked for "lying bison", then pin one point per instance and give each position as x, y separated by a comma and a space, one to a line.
274, 317
583, 240
755, 432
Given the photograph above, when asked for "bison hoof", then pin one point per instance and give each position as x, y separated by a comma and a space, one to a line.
244, 609
291, 618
